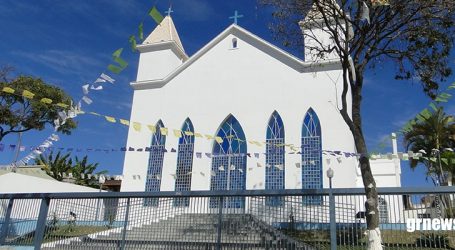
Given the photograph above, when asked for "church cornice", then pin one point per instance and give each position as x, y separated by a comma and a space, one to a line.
268, 48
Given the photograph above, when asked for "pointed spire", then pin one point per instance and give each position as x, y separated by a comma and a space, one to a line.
164, 32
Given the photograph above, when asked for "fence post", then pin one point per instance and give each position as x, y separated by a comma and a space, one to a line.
125, 224
41, 224
220, 220
5, 227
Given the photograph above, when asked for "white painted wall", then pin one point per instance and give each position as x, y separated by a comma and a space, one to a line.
249, 84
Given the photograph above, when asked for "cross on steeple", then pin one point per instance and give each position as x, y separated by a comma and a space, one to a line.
169, 11
236, 16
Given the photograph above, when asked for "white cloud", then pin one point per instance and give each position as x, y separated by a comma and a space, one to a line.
61, 61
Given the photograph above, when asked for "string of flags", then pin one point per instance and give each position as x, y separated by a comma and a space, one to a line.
339, 155
118, 65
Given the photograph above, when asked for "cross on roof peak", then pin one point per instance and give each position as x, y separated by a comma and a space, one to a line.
169, 11
236, 16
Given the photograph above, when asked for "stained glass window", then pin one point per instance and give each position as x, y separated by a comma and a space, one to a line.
275, 151
155, 165
311, 156
229, 163
184, 162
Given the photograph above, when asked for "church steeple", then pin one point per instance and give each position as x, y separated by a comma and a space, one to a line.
164, 32
161, 52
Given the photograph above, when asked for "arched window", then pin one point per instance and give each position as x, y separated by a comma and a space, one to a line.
155, 167
311, 156
229, 163
274, 173
383, 211
184, 162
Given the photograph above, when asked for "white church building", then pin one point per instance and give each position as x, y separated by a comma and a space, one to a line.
240, 114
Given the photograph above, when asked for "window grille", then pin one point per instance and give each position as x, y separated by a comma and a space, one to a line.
184, 162
275, 170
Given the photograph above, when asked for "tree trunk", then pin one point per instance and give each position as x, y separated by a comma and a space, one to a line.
355, 125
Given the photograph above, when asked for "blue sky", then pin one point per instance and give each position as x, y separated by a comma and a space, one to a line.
69, 43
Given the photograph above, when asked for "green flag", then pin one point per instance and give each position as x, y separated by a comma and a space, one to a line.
156, 15
117, 53
141, 31
133, 43
121, 62
114, 69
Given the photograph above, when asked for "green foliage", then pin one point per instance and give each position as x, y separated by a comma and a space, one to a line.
60, 165
55, 167
20, 114
82, 168
428, 133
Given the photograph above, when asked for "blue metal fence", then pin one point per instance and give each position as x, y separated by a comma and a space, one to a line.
121, 221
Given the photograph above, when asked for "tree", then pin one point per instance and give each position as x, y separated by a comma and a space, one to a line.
55, 167
82, 169
431, 136
21, 114
415, 35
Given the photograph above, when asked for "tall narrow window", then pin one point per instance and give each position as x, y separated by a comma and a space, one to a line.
155, 167
311, 156
184, 162
274, 173
229, 163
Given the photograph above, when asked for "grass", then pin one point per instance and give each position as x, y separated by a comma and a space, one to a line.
392, 239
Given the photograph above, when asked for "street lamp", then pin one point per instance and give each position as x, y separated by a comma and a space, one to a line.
333, 240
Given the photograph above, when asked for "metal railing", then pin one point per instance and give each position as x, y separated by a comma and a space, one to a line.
256, 219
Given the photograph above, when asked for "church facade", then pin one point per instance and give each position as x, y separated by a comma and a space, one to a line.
240, 114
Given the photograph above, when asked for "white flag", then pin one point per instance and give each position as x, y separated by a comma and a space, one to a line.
100, 80
87, 100
96, 88
85, 89
107, 78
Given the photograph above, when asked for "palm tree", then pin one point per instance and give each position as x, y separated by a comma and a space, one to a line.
430, 136
82, 169
55, 167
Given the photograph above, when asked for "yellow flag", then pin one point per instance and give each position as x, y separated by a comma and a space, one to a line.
219, 139
93, 113
152, 128
63, 105
28, 94
189, 133
208, 137
125, 122
137, 126
177, 133
163, 131
197, 135
46, 100
110, 119
8, 90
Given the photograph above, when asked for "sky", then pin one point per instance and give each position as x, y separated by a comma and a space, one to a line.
69, 44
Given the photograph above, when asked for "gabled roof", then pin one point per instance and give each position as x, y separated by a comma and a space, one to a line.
164, 32
259, 43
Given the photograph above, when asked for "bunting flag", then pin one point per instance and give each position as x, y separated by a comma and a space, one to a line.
46, 100
156, 15
107, 78
137, 126
163, 131
110, 119
218, 139
27, 94
152, 128
8, 90
141, 31
125, 122
177, 133
122, 64
87, 100
133, 43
